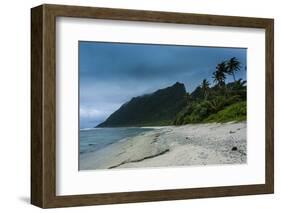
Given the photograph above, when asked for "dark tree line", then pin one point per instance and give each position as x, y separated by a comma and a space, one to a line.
205, 102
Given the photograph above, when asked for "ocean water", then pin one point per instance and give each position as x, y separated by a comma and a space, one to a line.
93, 139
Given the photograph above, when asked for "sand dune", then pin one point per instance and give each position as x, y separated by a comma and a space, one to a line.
193, 144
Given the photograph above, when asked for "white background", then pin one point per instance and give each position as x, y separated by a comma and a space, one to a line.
15, 105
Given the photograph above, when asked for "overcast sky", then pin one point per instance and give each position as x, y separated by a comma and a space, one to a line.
112, 73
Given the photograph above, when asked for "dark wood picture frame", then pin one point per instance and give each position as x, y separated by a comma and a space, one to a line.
43, 105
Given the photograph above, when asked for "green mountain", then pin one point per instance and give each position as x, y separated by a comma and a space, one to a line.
174, 106
222, 102
158, 108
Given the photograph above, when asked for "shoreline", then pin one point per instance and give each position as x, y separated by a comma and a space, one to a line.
186, 145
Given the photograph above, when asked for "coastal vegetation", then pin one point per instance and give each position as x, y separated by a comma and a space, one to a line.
221, 102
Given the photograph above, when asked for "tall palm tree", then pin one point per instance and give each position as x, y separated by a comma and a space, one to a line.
205, 87
219, 74
233, 65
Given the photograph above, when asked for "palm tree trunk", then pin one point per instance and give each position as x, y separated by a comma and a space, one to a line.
233, 76
205, 95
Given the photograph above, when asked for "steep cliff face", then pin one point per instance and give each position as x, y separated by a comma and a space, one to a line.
158, 108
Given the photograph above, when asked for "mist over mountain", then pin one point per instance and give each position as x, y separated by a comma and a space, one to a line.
158, 108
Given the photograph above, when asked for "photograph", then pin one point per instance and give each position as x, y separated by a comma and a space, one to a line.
161, 105
136, 105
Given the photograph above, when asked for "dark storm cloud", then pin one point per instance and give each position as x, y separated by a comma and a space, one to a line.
113, 73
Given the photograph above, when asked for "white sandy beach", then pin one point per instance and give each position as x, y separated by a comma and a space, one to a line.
194, 144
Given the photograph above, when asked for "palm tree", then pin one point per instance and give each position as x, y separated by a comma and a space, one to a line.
205, 87
219, 74
233, 65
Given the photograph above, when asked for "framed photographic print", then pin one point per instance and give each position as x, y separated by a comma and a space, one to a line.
135, 106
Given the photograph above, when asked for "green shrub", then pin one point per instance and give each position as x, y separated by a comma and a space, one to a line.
234, 112
219, 106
